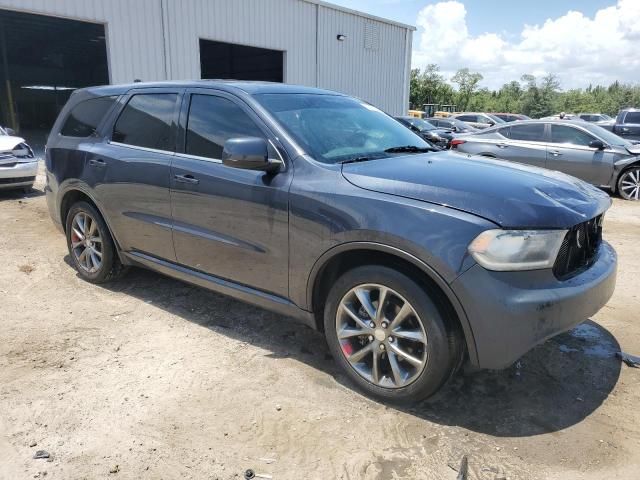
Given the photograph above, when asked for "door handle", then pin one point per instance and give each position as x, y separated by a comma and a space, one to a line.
555, 153
96, 162
502, 145
186, 178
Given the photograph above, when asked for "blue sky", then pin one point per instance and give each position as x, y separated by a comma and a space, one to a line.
583, 42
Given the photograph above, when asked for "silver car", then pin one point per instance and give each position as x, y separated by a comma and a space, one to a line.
478, 120
18, 164
577, 148
600, 119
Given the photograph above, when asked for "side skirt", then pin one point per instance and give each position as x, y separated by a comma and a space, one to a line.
210, 282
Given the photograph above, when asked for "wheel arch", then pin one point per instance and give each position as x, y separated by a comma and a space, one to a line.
621, 168
344, 257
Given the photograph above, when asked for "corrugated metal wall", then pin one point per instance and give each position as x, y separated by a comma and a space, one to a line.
372, 63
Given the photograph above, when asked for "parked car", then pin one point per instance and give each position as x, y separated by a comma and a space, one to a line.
511, 117
627, 124
578, 148
478, 120
18, 164
456, 126
440, 137
562, 116
600, 119
321, 207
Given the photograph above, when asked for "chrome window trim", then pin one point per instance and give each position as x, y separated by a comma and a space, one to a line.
219, 160
144, 149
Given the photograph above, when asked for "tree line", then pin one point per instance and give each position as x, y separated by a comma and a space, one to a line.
535, 97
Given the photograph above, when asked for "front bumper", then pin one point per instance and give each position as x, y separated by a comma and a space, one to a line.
511, 312
20, 174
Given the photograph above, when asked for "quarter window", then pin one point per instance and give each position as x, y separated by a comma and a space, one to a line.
146, 121
570, 135
530, 133
212, 121
84, 118
632, 117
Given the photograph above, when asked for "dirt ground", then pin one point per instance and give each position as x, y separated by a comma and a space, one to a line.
152, 378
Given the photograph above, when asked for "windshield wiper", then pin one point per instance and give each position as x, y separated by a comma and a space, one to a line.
409, 149
362, 158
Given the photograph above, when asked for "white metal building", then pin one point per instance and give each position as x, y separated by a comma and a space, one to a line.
49, 47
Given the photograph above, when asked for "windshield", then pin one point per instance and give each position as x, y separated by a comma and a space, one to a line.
420, 124
495, 119
3, 131
333, 128
607, 136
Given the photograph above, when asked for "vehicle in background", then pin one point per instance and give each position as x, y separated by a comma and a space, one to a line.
440, 137
511, 117
627, 124
18, 164
567, 116
578, 148
478, 120
456, 126
600, 119
416, 113
321, 207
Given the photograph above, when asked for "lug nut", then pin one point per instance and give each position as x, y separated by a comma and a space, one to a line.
390, 339
372, 325
382, 346
385, 324
370, 338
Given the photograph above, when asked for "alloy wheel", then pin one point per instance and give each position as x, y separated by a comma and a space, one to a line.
630, 184
86, 242
381, 336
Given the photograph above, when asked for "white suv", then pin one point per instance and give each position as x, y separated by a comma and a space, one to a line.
18, 164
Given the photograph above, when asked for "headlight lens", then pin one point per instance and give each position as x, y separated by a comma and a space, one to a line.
22, 150
504, 250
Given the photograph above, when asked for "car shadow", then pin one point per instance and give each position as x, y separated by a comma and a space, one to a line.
554, 386
19, 194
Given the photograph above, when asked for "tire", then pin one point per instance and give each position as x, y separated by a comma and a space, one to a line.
408, 382
104, 265
629, 184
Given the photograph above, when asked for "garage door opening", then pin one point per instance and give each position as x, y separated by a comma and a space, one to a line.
42, 60
238, 62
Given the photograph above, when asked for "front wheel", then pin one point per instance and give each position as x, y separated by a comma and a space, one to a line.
388, 335
629, 184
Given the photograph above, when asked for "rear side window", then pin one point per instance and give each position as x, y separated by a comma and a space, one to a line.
570, 135
212, 121
530, 133
505, 132
632, 117
84, 118
146, 121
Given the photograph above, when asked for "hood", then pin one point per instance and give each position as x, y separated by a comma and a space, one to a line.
509, 194
634, 148
8, 143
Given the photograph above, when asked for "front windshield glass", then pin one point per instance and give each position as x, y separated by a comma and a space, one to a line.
421, 124
606, 136
3, 131
333, 128
496, 119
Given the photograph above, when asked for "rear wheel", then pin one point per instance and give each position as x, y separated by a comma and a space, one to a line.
388, 335
629, 184
91, 247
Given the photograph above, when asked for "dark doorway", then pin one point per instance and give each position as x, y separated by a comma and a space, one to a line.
231, 61
42, 60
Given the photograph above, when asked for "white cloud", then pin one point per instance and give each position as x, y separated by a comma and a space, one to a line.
579, 49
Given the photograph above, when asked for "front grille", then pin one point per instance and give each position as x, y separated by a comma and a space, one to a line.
579, 248
7, 181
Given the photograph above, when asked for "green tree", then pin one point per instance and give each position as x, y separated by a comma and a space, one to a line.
467, 85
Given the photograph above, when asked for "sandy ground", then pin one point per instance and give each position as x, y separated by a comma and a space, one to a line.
152, 378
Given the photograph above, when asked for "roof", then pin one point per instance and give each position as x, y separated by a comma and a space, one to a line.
360, 14
252, 88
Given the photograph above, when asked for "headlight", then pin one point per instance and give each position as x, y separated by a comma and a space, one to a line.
504, 250
22, 150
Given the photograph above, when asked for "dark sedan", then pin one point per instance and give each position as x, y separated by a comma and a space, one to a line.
440, 137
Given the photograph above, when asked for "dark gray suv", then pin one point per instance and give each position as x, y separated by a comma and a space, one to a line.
321, 207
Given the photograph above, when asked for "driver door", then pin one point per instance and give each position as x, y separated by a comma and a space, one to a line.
228, 222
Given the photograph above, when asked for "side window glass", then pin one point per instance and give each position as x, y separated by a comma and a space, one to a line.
84, 118
531, 133
632, 117
505, 132
212, 121
146, 121
569, 135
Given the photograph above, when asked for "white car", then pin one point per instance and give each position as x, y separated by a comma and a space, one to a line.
18, 164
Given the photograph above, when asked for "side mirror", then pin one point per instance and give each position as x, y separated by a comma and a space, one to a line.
249, 153
10, 131
491, 124
597, 144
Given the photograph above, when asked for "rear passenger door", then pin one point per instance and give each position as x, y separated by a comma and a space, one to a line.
569, 152
630, 127
229, 222
526, 144
136, 162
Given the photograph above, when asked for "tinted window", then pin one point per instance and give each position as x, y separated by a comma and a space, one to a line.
570, 135
146, 121
533, 132
84, 118
505, 132
467, 118
212, 121
632, 117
